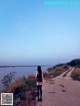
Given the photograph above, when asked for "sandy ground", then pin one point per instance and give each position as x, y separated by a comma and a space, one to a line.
61, 91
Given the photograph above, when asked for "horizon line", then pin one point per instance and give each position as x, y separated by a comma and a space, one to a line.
2, 66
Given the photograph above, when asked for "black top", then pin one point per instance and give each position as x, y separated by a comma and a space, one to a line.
39, 78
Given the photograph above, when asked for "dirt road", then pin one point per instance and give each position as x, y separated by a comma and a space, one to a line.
61, 91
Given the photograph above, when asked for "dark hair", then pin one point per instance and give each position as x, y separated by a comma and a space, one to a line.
39, 70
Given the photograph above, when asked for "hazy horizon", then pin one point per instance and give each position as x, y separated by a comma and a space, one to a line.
32, 32
49, 62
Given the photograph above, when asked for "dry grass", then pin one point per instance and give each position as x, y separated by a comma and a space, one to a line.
76, 74
31, 77
57, 70
18, 82
24, 90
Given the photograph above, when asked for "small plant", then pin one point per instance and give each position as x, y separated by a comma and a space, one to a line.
7, 79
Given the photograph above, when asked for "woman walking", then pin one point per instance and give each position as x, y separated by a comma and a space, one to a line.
39, 76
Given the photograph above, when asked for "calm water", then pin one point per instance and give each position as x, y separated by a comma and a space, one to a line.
20, 71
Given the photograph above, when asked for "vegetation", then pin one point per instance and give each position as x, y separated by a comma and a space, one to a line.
60, 68
24, 90
7, 79
75, 62
57, 70
76, 74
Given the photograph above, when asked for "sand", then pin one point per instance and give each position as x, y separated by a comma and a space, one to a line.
61, 91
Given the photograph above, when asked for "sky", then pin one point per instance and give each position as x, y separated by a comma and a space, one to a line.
33, 32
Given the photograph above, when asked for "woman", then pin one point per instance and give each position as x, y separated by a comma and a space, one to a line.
39, 77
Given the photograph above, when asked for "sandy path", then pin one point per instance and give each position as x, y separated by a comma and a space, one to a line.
69, 73
61, 92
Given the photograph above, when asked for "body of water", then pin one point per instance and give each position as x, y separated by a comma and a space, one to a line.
20, 71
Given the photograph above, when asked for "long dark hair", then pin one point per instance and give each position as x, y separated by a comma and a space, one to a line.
39, 70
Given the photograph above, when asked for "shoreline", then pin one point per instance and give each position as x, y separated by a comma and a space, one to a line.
25, 66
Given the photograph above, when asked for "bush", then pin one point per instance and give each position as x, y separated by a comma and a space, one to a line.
24, 90
50, 69
7, 79
45, 74
76, 74
75, 62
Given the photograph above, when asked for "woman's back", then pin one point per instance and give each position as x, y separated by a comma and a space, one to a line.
39, 76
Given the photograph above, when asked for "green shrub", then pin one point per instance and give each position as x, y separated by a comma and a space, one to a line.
75, 62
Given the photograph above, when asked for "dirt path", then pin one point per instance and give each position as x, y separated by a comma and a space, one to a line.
69, 71
61, 91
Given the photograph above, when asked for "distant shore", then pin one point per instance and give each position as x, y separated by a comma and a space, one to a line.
23, 66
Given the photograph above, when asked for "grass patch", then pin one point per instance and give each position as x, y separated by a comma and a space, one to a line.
76, 74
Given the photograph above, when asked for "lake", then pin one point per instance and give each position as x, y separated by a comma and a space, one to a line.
20, 71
